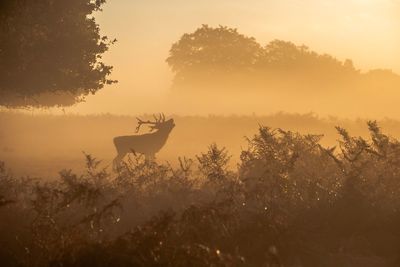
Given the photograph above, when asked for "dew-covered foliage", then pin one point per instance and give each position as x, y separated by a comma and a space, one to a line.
291, 202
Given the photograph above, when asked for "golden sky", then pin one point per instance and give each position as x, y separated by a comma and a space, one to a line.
367, 31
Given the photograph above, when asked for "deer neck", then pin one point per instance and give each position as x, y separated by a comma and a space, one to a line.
163, 134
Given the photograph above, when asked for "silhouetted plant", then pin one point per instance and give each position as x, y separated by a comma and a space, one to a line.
6, 183
292, 202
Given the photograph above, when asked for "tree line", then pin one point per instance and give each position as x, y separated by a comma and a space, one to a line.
51, 55
222, 54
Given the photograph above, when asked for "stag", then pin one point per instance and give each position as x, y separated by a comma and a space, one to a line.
147, 144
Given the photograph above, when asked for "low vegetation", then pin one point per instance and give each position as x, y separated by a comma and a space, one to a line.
291, 202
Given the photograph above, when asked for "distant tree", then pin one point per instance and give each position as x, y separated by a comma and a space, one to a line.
50, 52
280, 54
349, 65
283, 55
212, 50
223, 59
382, 79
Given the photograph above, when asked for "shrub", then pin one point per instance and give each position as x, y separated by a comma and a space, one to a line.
291, 202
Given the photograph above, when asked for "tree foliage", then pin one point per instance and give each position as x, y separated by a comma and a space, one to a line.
223, 57
212, 49
50, 52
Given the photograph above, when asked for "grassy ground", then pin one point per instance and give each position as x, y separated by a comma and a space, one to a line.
42, 145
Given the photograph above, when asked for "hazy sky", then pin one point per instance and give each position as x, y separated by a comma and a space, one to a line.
367, 31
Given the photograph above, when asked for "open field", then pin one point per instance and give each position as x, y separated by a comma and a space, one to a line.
42, 145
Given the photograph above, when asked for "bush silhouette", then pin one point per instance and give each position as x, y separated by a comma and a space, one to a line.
291, 202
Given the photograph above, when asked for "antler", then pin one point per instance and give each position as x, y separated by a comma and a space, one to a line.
141, 122
158, 120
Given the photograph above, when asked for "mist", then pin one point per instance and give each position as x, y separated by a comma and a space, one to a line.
199, 133
367, 32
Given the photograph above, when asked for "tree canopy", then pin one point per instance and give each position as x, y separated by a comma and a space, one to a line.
50, 52
223, 57
211, 49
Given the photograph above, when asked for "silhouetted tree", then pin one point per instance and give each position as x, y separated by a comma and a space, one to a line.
280, 54
211, 50
208, 56
299, 62
50, 52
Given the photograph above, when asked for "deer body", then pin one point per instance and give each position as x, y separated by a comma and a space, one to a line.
148, 144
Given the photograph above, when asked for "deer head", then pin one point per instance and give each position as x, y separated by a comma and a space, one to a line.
159, 123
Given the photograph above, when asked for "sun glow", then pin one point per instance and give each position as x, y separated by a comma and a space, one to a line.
368, 32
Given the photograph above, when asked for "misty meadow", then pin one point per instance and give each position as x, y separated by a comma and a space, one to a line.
199, 133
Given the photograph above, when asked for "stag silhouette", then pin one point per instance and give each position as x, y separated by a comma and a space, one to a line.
148, 144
